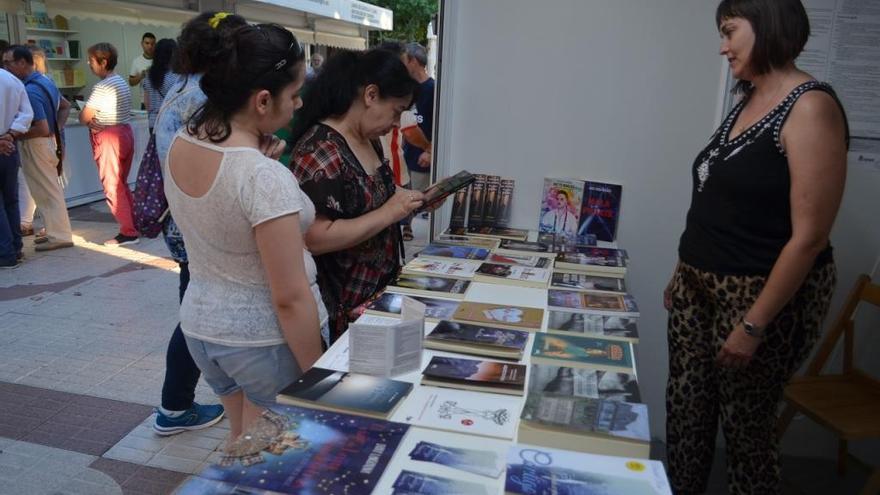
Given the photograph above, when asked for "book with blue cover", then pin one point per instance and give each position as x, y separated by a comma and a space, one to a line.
474, 374
583, 352
339, 391
413, 483
482, 340
448, 251
303, 451
483, 462
391, 304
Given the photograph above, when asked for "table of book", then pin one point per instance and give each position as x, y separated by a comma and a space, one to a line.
337, 358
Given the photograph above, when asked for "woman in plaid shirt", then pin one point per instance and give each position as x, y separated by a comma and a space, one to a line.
339, 163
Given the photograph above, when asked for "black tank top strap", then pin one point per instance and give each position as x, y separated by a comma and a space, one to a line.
792, 98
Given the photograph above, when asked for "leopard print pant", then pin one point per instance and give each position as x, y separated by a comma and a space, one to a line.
705, 308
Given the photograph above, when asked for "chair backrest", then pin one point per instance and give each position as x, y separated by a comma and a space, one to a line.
864, 290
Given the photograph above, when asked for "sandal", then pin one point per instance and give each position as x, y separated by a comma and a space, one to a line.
407, 233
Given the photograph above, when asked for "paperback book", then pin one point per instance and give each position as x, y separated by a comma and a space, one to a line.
590, 283
442, 268
500, 315
440, 190
413, 483
560, 206
513, 275
583, 352
493, 195
477, 201
533, 470
482, 462
499, 233
600, 210
591, 262
505, 203
522, 248
547, 379
390, 304
309, 452
473, 374
424, 285
593, 303
351, 393
481, 340
462, 411
458, 216
562, 242
466, 240
532, 261
606, 327
448, 252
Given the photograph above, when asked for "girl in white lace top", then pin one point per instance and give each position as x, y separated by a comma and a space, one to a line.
252, 314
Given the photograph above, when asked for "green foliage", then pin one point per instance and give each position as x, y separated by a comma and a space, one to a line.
411, 18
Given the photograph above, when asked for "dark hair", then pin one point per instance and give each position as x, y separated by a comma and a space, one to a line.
3, 45
165, 49
343, 78
148, 35
199, 43
417, 52
781, 28
392, 46
104, 52
21, 52
252, 58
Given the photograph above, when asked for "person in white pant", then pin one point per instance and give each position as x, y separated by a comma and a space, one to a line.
38, 148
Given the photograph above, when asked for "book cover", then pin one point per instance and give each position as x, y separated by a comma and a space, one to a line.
500, 232
502, 315
454, 252
577, 382
442, 268
563, 243
458, 216
463, 411
600, 210
476, 371
200, 486
560, 205
606, 327
519, 259
523, 246
493, 195
513, 275
482, 462
593, 303
310, 452
505, 203
595, 256
429, 286
534, 470
352, 392
572, 350
478, 199
436, 193
450, 331
584, 415
581, 281
413, 483
467, 240
436, 309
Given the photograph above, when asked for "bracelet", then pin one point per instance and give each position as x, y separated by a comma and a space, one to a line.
752, 330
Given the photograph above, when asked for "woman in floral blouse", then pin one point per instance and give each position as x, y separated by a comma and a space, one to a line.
338, 161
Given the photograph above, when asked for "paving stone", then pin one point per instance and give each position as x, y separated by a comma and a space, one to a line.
178, 464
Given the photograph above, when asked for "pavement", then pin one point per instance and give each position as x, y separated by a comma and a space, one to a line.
83, 334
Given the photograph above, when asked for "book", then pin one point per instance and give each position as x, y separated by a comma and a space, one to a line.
200, 486
500, 315
579, 382
377, 347
493, 194
458, 216
504, 209
513, 275
521, 248
390, 304
596, 426
532, 261
593, 303
482, 462
424, 285
449, 252
413, 483
350, 393
436, 193
441, 268
477, 201
560, 206
534, 470
606, 327
473, 374
562, 242
583, 352
462, 411
466, 240
499, 232
579, 262
308, 451
584, 282
477, 339
600, 210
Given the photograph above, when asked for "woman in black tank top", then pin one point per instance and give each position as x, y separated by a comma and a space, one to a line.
755, 273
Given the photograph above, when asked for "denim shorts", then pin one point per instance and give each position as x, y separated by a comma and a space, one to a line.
260, 372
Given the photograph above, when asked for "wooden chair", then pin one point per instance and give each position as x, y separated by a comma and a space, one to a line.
847, 403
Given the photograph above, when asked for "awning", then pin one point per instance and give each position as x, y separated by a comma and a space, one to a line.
340, 41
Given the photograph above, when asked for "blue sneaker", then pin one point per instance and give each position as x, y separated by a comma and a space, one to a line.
195, 418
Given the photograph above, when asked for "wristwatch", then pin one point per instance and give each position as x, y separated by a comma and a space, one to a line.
753, 330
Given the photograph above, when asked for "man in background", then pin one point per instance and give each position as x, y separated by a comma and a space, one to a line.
314, 68
142, 62
15, 119
418, 155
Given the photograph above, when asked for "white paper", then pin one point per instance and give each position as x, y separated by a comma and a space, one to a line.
463, 411
388, 346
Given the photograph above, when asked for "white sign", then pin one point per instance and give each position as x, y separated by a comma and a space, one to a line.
355, 11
